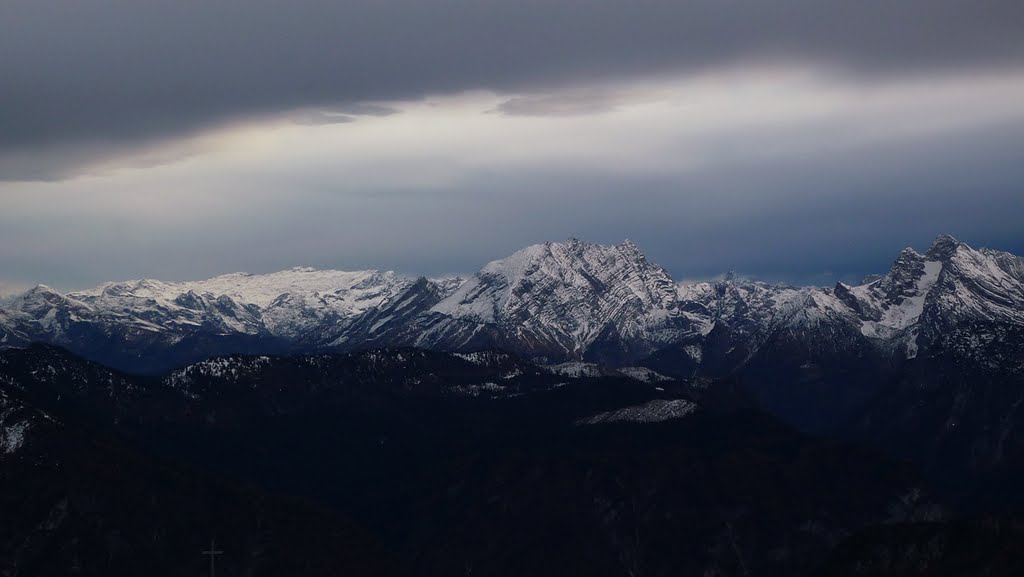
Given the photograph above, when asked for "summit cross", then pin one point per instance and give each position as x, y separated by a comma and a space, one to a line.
213, 552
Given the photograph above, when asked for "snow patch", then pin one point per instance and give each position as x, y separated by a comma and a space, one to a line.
12, 437
653, 411
900, 316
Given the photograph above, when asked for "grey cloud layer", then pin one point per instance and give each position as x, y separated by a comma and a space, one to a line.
80, 77
796, 218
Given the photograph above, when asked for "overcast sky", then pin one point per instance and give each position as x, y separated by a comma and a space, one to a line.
804, 141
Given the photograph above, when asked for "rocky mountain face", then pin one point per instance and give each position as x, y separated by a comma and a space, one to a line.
561, 301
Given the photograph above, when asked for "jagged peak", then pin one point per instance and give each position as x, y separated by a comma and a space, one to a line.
565, 252
944, 247
909, 261
735, 279
632, 250
910, 253
901, 281
548, 247
629, 245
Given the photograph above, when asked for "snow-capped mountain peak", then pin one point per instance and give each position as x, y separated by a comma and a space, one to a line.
948, 288
563, 298
581, 268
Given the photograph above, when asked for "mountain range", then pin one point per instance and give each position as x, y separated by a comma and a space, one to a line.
553, 302
570, 409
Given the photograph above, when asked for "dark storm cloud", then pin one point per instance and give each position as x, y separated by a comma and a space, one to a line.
80, 78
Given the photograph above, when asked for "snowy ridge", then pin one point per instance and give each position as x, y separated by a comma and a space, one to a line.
286, 303
301, 308
262, 290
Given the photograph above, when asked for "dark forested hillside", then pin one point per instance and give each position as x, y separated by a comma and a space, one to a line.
421, 463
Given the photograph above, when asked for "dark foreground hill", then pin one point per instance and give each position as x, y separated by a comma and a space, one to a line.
417, 463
